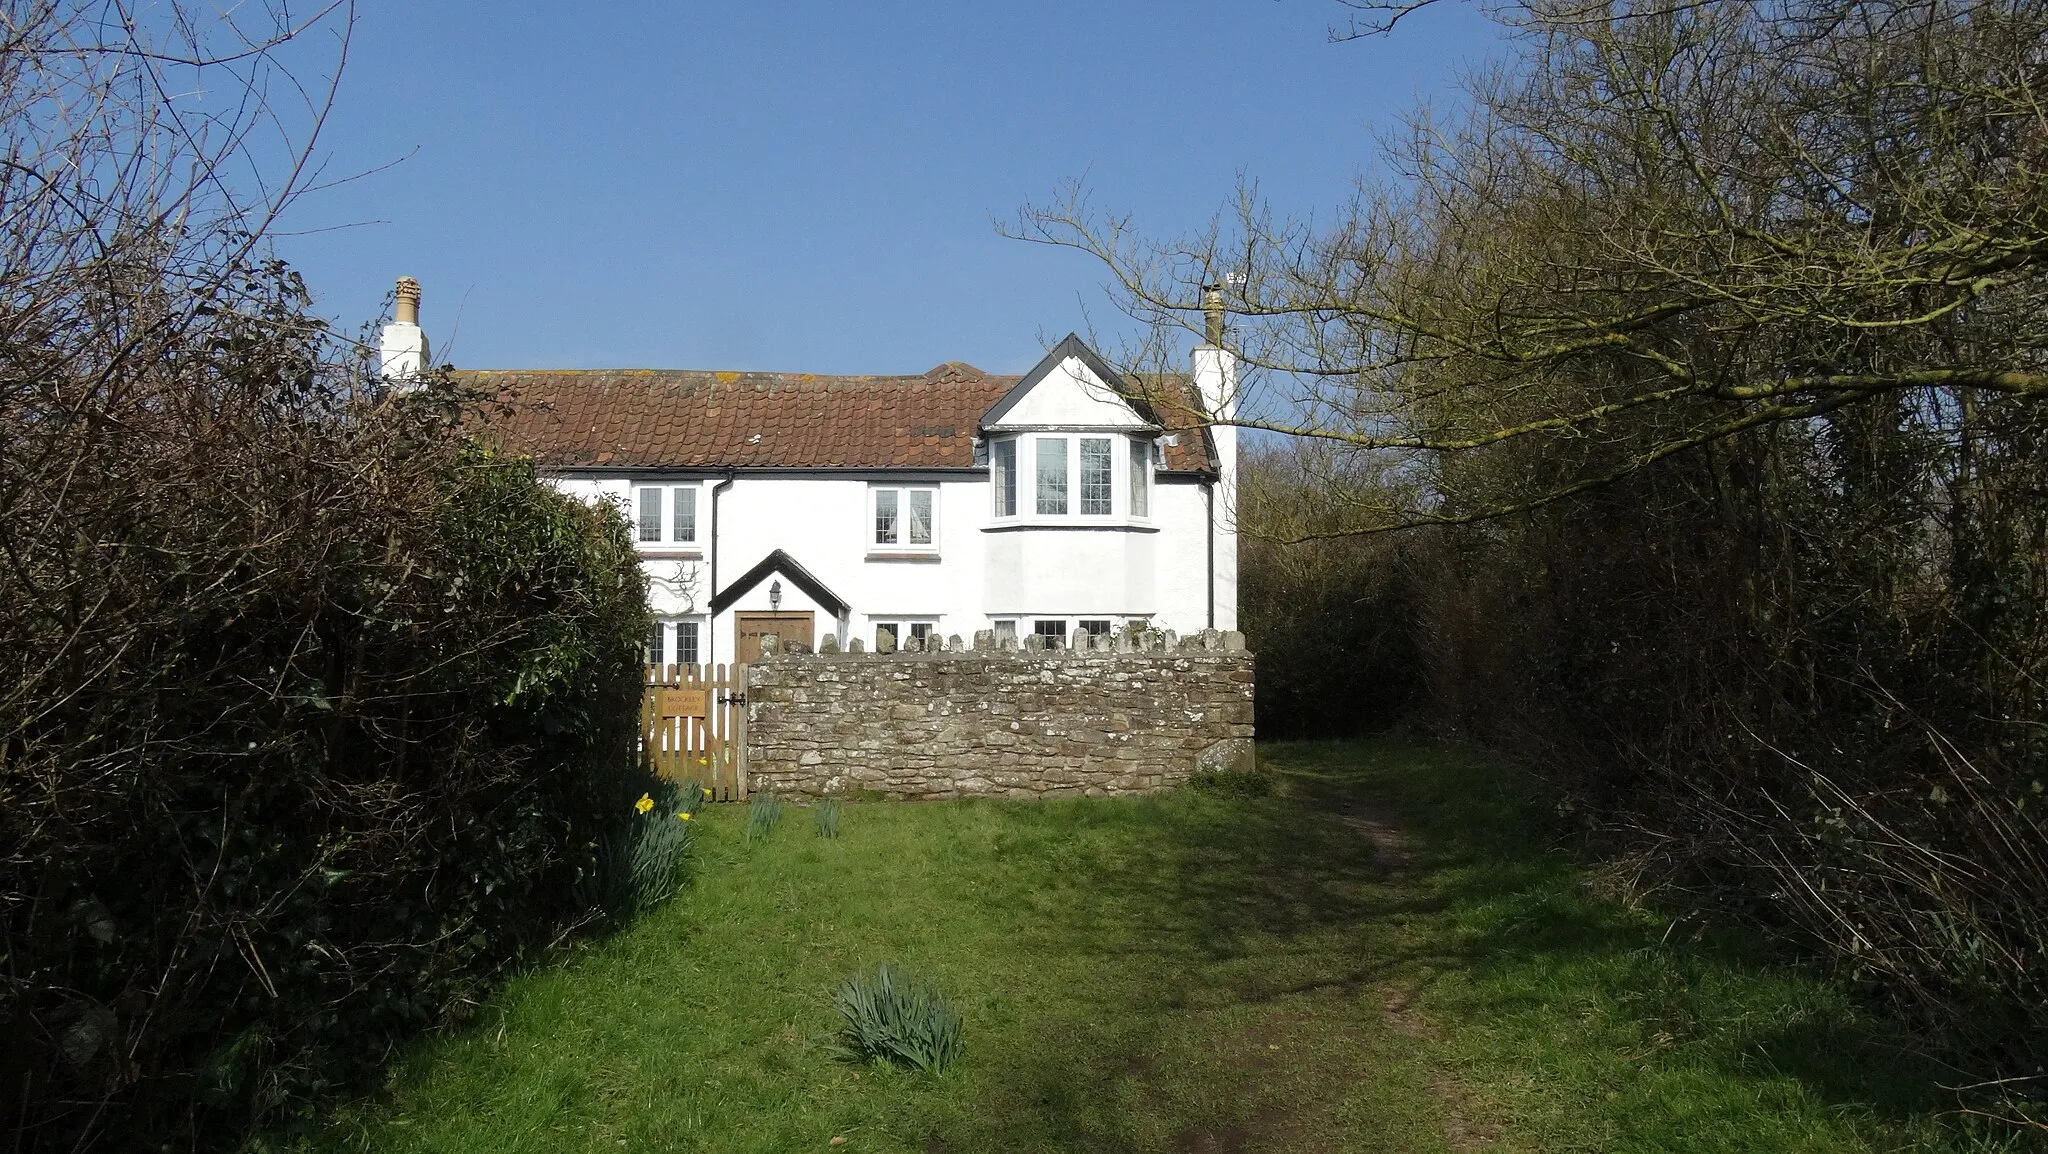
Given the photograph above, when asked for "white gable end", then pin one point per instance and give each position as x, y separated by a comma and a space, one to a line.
1067, 394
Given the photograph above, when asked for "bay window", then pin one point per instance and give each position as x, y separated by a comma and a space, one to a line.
1052, 476
1095, 477
1003, 460
1073, 475
1141, 478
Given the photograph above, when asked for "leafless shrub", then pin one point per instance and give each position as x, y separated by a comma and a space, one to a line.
314, 715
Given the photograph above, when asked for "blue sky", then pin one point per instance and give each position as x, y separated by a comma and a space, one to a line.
810, 186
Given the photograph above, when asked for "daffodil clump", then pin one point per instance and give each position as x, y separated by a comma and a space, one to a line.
658, 838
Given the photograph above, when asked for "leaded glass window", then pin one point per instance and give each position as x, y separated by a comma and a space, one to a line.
1095, 477
1052, 476
885, 516
650, 514
920, 517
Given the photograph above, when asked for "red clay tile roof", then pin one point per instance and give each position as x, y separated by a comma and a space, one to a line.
628, 418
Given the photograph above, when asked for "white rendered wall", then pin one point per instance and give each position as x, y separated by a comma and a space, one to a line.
824, 524
1156, 567
1070, 396
977, 576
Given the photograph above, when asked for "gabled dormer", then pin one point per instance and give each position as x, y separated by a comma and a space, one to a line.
1072, 445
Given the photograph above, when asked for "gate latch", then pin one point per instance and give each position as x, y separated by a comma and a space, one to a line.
732, 699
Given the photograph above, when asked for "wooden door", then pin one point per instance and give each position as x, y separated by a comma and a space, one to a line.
749, 628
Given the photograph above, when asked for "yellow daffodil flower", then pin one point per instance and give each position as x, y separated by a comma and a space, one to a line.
644, 804
684, 816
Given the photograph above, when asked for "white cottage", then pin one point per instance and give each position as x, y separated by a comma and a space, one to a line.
1062, 502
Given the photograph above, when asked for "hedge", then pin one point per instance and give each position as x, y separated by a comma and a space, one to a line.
315, 719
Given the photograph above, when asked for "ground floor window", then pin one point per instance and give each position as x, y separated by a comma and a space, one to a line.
905, 629
674, 642
1097, 626
1006, 628
1049, 628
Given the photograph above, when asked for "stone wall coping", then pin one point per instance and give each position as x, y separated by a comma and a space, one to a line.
1010, 655
1151, 645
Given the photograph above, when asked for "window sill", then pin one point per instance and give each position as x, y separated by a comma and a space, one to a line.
1104, 524
902, 556
652, 552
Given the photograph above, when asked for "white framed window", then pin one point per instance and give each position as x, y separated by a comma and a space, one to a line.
1003, 473
665, 514
903, 629
903, 518
1052, 477
1097, 626
1050, 628
1141, 477
1006, 627
1098, 467
1074, 475
674, 641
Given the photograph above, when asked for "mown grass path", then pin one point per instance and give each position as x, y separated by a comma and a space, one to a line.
1383, 957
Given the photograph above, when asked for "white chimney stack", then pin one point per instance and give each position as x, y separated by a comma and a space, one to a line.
1216, 378
1215, 373
403, 350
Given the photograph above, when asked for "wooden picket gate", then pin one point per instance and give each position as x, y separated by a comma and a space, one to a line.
693, 725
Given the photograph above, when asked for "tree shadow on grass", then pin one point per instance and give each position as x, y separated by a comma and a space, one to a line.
1210, 920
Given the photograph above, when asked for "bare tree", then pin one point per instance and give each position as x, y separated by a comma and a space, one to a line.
1666, 225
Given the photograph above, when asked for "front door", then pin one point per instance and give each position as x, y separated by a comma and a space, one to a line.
749, 628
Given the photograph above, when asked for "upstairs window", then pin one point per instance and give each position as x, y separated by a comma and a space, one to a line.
1095, 477
1052, 476
905, 518
650, 515
885, 516
665, 514
1141, 478
684, 525
1075, 476
1003, 460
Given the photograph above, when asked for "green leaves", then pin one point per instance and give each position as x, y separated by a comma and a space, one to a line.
891, 1017
764, 813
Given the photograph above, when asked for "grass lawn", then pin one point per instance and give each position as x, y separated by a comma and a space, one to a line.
1180, 973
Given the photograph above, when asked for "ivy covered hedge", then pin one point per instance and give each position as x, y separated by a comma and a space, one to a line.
315, 716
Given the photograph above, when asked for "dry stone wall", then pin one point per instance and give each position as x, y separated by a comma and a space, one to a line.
1131, 716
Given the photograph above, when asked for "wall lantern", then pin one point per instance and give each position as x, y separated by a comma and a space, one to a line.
775, 595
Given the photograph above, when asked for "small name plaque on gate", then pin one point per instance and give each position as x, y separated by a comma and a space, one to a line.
685, 703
